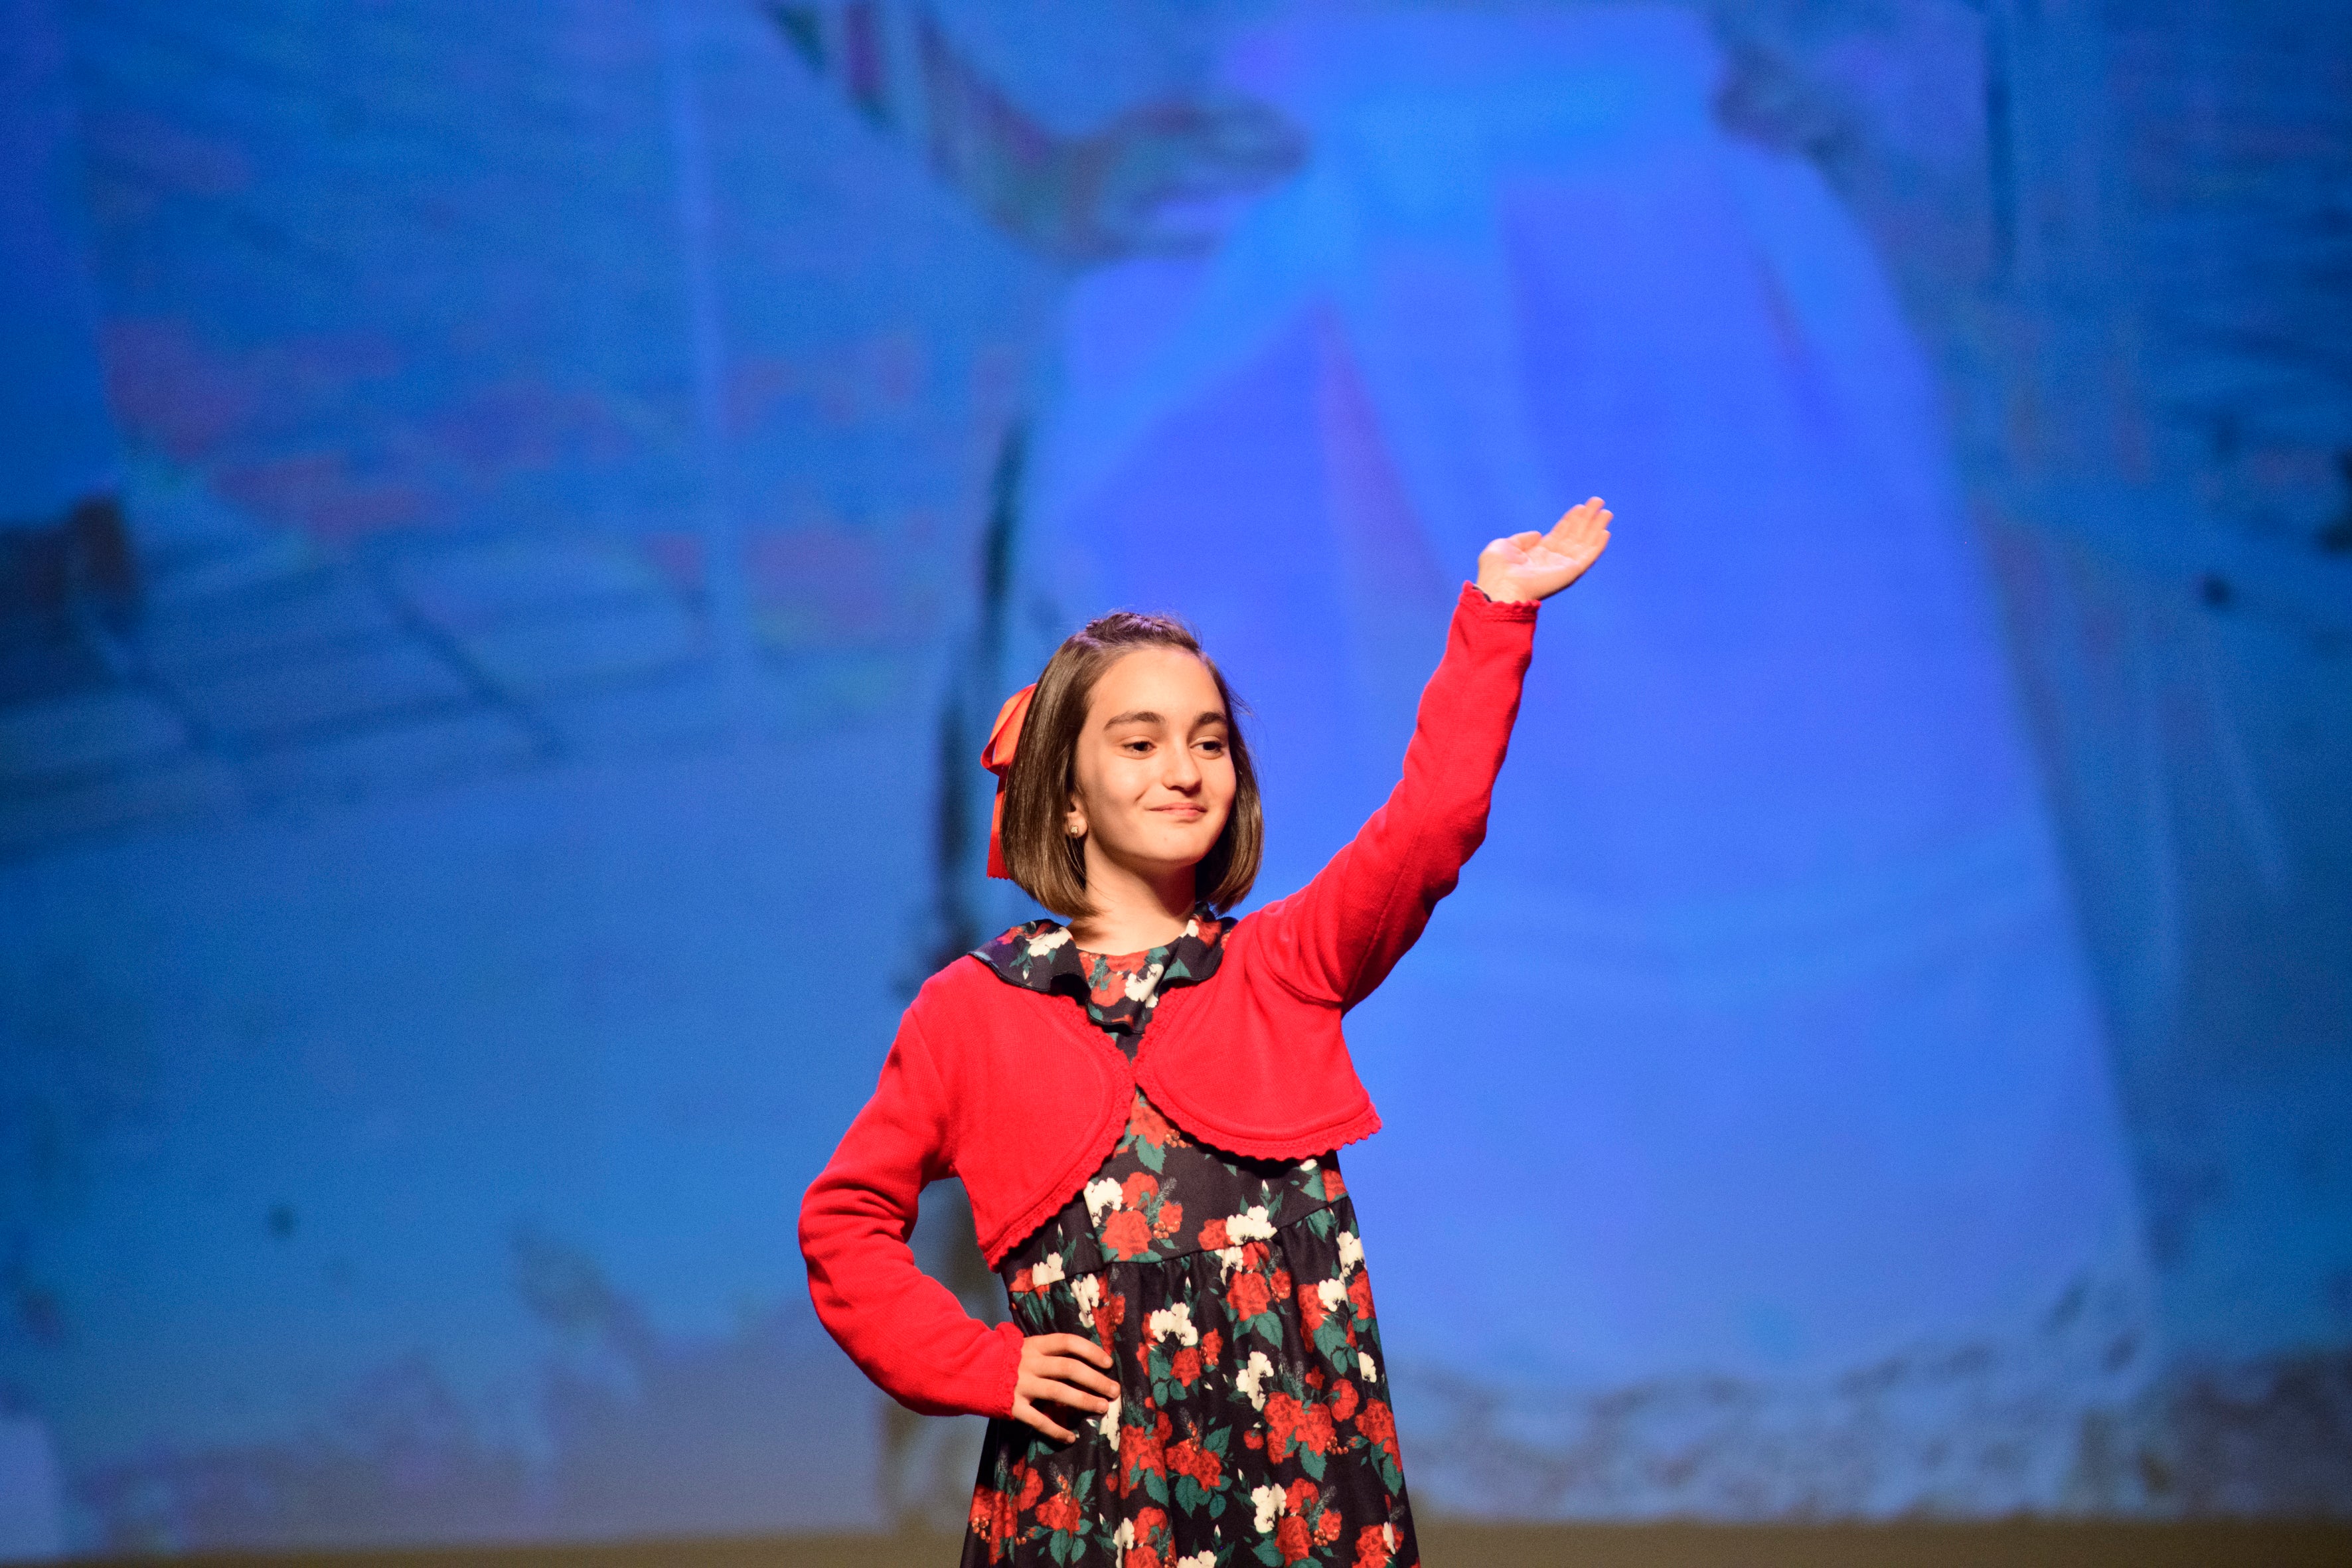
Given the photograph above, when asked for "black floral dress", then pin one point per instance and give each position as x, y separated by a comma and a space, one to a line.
1253, 1423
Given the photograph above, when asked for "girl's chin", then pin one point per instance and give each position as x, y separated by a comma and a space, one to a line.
1170, 850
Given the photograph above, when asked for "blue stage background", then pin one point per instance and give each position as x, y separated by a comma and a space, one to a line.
513, 519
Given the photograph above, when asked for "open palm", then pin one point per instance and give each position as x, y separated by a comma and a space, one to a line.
1534, 566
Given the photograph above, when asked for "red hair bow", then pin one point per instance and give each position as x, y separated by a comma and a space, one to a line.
997, 758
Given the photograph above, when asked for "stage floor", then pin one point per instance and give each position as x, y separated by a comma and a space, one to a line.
2015, 1544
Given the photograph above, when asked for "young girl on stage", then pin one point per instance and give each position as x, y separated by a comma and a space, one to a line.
1192, 1375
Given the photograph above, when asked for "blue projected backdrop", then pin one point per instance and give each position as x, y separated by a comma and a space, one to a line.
513, 520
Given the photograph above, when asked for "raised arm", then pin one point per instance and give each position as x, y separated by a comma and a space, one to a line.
905, 1330
1338, 937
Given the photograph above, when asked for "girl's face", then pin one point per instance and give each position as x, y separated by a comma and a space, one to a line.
1155, 774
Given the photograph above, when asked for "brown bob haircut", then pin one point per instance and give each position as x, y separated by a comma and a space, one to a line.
1049, 865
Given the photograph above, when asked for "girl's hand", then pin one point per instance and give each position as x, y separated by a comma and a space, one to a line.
1534, 566
1059, 1369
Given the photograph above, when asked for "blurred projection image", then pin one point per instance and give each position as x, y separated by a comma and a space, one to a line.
1675, 888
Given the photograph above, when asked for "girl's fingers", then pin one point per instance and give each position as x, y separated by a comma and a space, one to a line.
1073, 1344
1089, 1389
1029, 1415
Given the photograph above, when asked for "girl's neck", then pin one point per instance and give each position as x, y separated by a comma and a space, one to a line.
1133, 912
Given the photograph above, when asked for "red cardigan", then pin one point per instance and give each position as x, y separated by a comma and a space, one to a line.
1015, 1093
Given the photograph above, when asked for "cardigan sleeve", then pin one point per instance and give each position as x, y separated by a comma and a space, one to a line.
905, 1330
1335, 939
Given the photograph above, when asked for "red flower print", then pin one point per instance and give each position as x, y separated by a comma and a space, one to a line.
1021, 1286
1253, 1440
993, 1519
1379, 1423
1212, 1343
1314, 1377
1144, 1122
1138, 1186
1253, 1254
1372, 1549
1150, 1521
1250, 1296
1300, 1498
1311, 1311
1333, 1187
1143, 1451
1213, 1236
1184, 1366
1343, 1403
1290, 1537
1359, 1294
1327, 1529
1126, 1235
1171, 1218
1282, 1284
1108, 981
1315, 1430
1188, 1458
1282, 1414
996, 1515
1061, 1513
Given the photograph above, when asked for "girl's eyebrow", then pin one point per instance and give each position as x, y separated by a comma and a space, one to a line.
1145, 716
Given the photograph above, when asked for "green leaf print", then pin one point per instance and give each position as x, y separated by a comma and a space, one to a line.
1154, 1157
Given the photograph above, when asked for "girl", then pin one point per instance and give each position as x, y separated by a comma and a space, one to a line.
1193, 1373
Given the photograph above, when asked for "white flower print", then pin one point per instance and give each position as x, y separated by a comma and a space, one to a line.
1198, 1560
1251, 1378
1351, 1253
1364, 1364
1044, 943
1088, 1291
1126, 1536
1102, 1194
1176, 1319
1048, 1272
1144, 984
1228, 1260
1108, 1421
1333, 1293
1253, 1226
1267, 1500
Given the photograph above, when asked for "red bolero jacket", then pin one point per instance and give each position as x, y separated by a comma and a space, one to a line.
1017, 1095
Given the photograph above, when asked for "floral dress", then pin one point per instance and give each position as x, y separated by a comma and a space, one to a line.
1252, 1424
